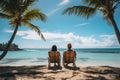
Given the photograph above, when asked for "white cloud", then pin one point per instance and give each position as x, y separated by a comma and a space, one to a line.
78, 41
63, 2
82, 24
52, 11
29, 34
59, 6
20, 33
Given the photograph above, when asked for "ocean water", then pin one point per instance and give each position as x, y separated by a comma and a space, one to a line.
85, 57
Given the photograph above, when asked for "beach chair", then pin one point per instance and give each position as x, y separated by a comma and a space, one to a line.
54, 57
69, 57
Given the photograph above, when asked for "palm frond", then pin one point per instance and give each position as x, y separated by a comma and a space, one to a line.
27, 4
18, 13
13, 6
2, 3
13, 21
108, 20
92, 2
9, 6
33, 27
116, 4
34, 14
3, 15
80, 11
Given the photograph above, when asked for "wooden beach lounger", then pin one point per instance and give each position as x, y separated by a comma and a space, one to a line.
54, 57
69, 57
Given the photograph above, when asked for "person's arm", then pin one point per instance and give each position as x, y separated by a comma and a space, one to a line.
63, 55
49, 54
75, 54
59, 54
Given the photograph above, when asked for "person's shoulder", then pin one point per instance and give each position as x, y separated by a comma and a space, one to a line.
58, 51
65, 51
50, 51
73, 51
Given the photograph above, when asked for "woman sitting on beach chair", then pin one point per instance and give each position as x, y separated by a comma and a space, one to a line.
69, 56
54, 56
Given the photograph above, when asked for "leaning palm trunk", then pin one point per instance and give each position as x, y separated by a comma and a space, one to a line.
115, 27
17, 12
9, 43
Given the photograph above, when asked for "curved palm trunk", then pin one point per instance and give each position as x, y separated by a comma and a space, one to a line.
115, 27
9, 43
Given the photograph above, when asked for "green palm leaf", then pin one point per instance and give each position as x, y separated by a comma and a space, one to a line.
17, 10
34, 14
107, 7
27, 4
80, 11
33, 27
91, 2
3, 15
9, 7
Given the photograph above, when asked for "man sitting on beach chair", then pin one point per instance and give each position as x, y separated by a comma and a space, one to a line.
54, 57
69, 56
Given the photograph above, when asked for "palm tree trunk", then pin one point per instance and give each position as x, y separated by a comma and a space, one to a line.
9, 43
115, 27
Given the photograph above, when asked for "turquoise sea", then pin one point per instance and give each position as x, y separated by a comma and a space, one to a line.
85, 57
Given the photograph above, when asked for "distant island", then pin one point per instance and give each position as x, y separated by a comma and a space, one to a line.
13, 47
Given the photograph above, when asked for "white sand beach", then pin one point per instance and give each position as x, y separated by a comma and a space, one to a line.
41, 72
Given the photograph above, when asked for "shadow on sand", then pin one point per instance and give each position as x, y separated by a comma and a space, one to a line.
72, 68
10, 72
55, 68
37, 72
101, 71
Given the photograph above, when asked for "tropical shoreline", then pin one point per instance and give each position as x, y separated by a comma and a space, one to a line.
84, 57
31, 64
16, 62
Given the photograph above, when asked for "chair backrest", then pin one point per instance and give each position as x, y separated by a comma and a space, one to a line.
54, 56
69, 56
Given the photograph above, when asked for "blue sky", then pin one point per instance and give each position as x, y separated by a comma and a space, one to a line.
59, 29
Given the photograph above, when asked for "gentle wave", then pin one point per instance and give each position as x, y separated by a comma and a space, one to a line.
116, 50
85, 50
41, 60
32, 50
83, 59
12, 60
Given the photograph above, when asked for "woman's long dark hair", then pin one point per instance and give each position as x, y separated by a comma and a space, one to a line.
54, 48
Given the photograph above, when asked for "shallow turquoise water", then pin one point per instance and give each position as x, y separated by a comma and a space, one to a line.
85, 57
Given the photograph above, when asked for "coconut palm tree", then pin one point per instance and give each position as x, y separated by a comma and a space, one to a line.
18, 13
90, 7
